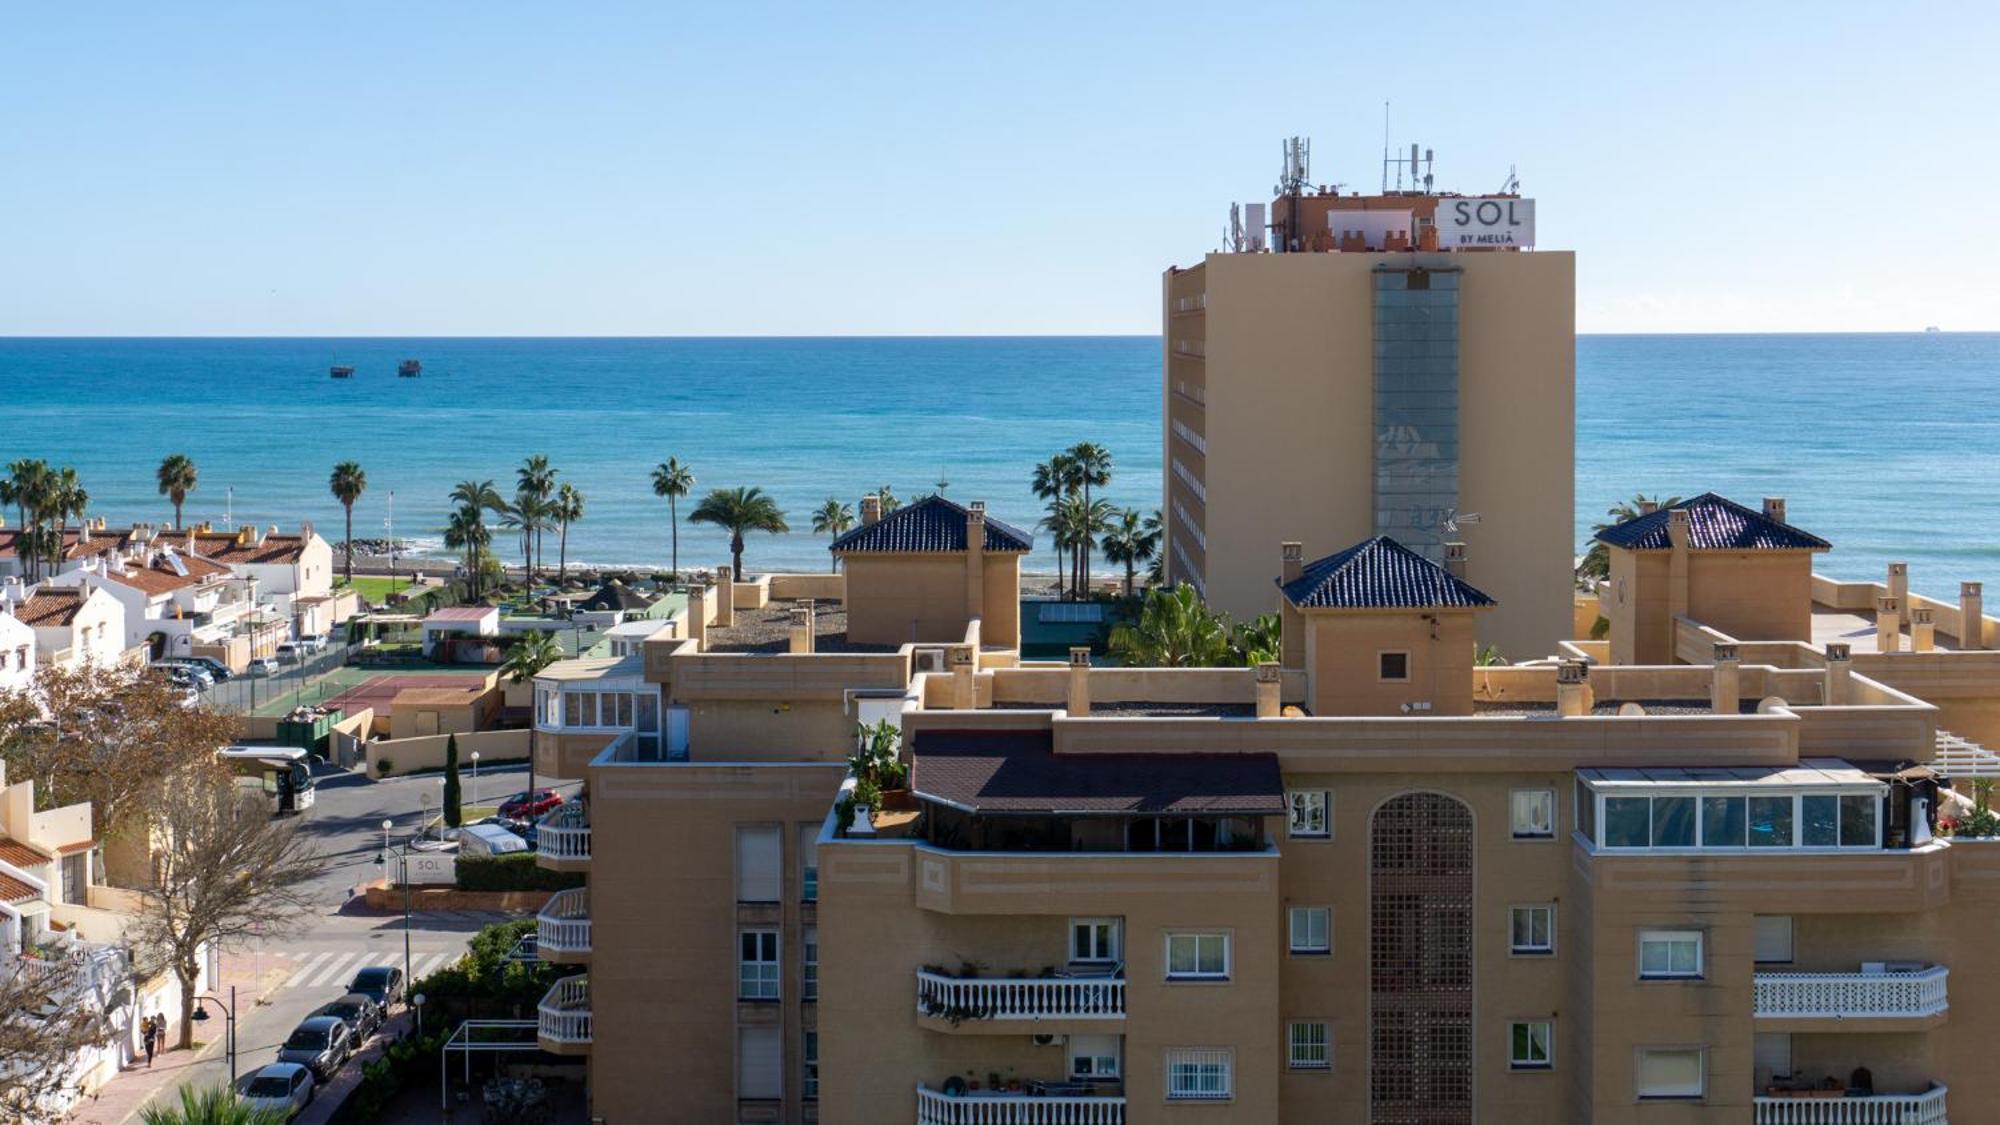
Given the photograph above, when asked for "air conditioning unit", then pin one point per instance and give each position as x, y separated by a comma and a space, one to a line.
1051, 1040
929, 659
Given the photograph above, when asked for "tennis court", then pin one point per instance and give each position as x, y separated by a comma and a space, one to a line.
352, 688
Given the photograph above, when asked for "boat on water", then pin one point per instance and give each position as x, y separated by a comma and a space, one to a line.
339, 372
1933, 330
410, 368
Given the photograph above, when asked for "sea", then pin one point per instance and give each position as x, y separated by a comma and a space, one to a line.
1887, 445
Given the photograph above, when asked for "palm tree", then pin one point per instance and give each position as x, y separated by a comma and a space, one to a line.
1156, 527
739, 510
1131, 543
1054, 479
568, 510
833, 518
526, 660
1174, 630
1597, 560
1257, 641
209, 1105
466, 531
177, 477
347, 484
536, 479
478, 496
888, 500
1093, 468
673, 480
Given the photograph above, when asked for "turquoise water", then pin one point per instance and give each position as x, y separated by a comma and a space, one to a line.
1883, 444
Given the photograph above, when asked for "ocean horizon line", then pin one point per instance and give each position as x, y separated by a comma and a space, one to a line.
868, 337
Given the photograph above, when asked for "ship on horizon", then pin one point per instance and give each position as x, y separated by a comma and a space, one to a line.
409, 369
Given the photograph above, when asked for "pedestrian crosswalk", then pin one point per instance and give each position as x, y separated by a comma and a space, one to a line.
332, 968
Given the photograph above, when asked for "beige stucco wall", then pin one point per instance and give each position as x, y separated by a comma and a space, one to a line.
894, 599
1749, 595
427, 752
1343, 662
1288, 378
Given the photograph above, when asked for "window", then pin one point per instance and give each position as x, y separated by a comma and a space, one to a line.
1723, 822
1669, 953
1197, 956
1197, 1075
808, 863
1770, 822
1307, 1047
760, 1061
809, 968
1528, 1044
1673, 822
809, 1066
1683, 821
758, 863
757, 969
1393, 665
1093, 1057
1532, 930
1093, 940
573, 708
1774, 938
1309, 817
1311, 929
1534, 814
1670, 1072
1627, 822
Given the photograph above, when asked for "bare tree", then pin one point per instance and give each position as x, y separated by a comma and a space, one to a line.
105, 736
223, 866
47, 1021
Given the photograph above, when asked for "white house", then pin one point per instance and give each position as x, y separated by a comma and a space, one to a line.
17, 652
293, 573
173, 602
73, 625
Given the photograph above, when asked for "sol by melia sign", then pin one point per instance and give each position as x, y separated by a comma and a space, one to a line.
1473, 223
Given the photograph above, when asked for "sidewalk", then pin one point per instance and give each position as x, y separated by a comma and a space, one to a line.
121, 1098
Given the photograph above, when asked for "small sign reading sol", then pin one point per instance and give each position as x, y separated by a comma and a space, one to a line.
1474, 223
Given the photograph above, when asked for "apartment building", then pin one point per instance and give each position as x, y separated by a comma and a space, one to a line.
1394, 373
74, 626
1373, 881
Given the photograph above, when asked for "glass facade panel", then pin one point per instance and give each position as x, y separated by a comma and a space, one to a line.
1626, 822
1416, 406
1723, 823
1673, 822
1857, 820
1770, 822
1819, 821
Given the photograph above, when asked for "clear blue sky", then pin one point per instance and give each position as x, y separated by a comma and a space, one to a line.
763, 168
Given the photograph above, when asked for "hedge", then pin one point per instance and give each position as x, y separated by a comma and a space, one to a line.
516, 871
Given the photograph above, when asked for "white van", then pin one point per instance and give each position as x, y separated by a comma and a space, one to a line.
488, 839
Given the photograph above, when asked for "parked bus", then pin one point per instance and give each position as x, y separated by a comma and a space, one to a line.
283, 773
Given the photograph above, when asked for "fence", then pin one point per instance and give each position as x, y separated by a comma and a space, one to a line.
244, 693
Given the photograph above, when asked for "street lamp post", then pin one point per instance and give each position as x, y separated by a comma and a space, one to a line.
405, 850
475, 777
229, 1025
417, 1003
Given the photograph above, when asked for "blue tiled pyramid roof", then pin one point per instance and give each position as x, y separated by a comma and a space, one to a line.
931, 524
1380, 573
1715, 523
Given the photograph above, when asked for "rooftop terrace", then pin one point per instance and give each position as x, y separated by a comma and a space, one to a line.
767, 629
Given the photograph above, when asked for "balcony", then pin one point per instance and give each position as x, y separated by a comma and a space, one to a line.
1926, 1108
564, 1024
986, 1108
562, 927
959, 1001
562, 839
1862, 1001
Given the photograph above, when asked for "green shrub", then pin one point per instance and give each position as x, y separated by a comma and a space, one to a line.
384, 765
515, 872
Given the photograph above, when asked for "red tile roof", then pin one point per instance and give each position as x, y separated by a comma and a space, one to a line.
74, 544
51, 607
275, 550
161, 578
79, 846
14, 891
19, 854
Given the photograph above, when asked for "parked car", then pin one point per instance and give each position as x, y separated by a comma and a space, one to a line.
361, 1013
180, 675
263, 666
208, 664
321, 1044
289, 653
381, 983
529, 804
313, 642
281, 1087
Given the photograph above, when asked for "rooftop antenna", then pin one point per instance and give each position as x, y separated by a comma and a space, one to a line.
228, 506
1513, 184
1385, 146
1292, 183
1454, 519
942, 483
1235, 238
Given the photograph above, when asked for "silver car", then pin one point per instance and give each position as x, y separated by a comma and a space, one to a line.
320, 1044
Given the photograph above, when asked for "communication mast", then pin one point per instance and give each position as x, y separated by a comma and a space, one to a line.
1419, 162
1292, 184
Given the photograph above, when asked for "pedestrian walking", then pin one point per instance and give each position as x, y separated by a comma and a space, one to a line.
149, 1030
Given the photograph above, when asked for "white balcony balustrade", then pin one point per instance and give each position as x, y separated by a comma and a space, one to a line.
563, 923
1042, 998
565, 1013
1926, 1108
564, 832
986, 1108
1871, 995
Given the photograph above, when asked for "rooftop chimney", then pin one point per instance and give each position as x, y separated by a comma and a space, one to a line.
1454, 560
1572, 689
1270, 681
725, 589
1923, 629
306, 530
1899, 582
1079, 682
1839, 673
1648, 507
964, 694
1677, 526
1724, 693
1291, 561
1774, 508
802, 628
1971, 616
1888, 624
871, 509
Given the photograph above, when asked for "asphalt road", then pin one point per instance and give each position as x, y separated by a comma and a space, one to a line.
340, 936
